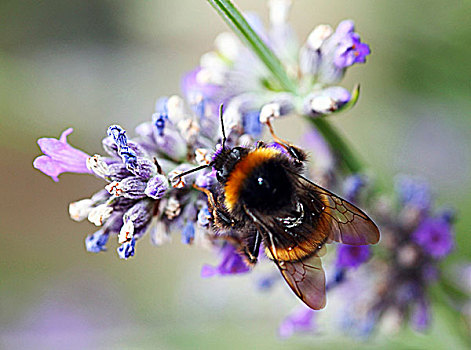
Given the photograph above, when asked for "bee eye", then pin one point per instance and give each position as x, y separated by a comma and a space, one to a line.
219, 176
235, 152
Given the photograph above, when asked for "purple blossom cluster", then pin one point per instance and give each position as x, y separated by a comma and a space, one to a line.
233, 74
415, 238
392, 289
140, 196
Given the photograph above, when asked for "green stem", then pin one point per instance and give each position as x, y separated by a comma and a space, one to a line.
454, 320
348, 160
232, 16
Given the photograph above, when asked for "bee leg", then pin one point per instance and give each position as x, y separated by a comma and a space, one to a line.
295, 152
260, 144
221, 219
252, 249
208, 194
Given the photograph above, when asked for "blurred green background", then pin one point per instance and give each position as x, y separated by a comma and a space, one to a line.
89, 64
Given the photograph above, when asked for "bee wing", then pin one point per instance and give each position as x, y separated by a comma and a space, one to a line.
299, 265
339, 219
305, 277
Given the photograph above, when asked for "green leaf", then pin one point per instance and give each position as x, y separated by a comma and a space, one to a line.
353, 100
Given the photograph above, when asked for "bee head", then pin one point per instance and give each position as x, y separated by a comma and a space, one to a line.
225, 161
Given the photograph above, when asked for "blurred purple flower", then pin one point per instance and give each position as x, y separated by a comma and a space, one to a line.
323, 157
188, 233
352, 186
231, 263
435, 236
352, 256
420, 317
267, 282
195, 84
60, 157
414, 191
302, 320
251, 123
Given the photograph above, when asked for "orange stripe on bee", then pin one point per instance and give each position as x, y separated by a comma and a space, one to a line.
242, 170
295, 253
312, 244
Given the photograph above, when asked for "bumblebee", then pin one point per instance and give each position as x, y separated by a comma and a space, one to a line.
261, 197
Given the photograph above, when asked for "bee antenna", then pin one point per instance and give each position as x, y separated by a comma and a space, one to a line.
221, 107
201, 167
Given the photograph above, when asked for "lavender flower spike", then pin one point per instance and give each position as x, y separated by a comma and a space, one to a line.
60, 157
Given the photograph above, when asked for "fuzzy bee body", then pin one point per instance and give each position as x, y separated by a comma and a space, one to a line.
262, 197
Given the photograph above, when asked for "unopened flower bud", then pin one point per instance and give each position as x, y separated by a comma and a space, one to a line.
173, 208
131, 187
99, 214
126, 250
143, 168
96, 242
79, 210
175, 109
279, 10
156, 187
126, 232
97, 165
269, 111
318, 36
228, 45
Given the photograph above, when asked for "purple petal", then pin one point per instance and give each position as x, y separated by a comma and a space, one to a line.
231, 263
208, 271
60, 157
188, 235
96, 242
251, 123
350, 49
345, 27
302, 320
